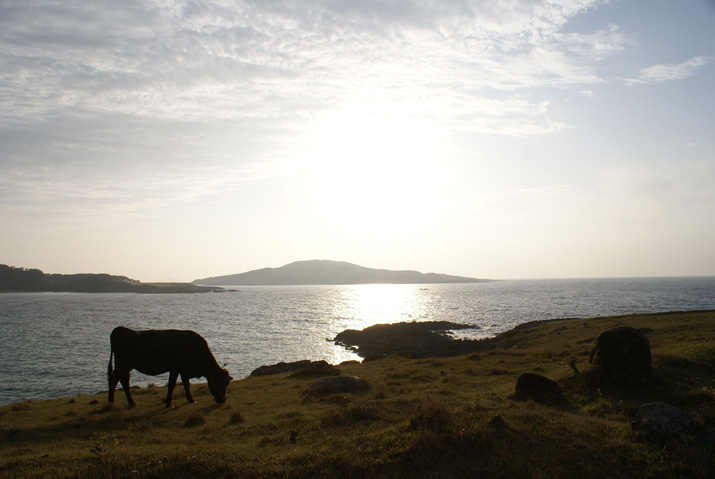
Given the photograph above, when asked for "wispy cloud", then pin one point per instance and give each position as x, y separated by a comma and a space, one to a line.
670, 71
187, 61
107, 86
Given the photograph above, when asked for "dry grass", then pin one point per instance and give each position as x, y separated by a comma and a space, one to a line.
422, 418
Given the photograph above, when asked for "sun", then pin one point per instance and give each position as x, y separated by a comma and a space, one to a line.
376, 173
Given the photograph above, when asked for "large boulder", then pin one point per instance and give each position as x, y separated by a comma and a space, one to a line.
538, 388
305, 366
337, 384
621, 355
662, 423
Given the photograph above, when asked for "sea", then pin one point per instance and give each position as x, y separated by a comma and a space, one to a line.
57, 344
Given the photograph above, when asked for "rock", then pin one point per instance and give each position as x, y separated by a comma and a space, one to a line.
661, 423
349, 362
417, 339
337, 384
497, 422
621, 355
316, 368
538, 388
282, 367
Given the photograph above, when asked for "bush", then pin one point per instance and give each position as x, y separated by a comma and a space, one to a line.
235, 418
433, 414
195, 419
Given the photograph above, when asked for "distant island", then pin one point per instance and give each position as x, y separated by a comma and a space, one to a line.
34, 280
324, 272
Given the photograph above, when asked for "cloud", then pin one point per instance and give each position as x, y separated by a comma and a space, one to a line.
670, 72
194, 61
97, 94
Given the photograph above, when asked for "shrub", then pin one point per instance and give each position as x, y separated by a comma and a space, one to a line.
195, 419
433, 414
236, 417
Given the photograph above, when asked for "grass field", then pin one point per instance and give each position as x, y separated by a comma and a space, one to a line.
420, 418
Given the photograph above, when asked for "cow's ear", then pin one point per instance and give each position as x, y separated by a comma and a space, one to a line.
230, 378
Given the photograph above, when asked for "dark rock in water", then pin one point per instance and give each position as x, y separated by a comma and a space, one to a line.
538, 388
662, 423
337, 384
411, 339
621, 356
316, 367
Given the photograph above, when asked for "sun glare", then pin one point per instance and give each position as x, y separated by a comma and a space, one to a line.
363, 305
376, 173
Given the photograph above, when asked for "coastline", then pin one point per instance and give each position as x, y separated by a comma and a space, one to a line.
446, 416
23, 280
49, 374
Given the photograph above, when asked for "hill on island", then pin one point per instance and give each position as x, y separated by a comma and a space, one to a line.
34, 280
324, 272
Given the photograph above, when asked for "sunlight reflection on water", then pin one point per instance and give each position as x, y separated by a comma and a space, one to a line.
359, 305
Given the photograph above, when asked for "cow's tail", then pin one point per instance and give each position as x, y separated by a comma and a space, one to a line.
109, 366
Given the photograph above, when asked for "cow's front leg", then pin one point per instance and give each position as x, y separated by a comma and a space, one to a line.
172, 384
187, 388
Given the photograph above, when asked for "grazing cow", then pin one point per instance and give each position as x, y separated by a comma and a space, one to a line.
158, 351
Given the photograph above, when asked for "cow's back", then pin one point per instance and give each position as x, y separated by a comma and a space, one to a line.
158, 351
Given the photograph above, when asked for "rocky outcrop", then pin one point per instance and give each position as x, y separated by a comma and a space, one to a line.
413, 339
538, 388
661, 423
621, 356
306, 367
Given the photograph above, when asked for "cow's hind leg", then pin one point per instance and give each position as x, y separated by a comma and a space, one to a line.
172, 384
187, 388
124, 379
113, 380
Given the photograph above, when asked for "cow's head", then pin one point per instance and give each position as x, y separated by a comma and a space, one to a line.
218, 382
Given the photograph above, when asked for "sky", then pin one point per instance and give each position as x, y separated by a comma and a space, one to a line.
176, 140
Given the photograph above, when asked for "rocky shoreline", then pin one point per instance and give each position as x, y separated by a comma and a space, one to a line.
410, 339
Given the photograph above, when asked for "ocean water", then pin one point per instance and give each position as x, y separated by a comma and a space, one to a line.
57, 344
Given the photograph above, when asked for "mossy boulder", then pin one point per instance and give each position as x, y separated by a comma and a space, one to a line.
662, 424
538, 388
621, 356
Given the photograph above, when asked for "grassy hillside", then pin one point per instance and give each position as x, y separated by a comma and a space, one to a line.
420, 418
